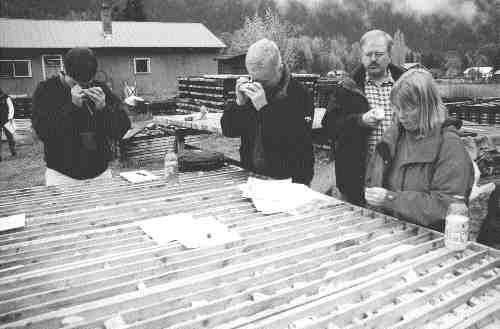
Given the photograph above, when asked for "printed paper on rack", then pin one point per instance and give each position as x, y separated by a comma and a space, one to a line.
273, 196
190, 232
12, 222
138, 176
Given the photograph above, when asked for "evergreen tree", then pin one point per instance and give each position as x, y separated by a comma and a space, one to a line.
133, 11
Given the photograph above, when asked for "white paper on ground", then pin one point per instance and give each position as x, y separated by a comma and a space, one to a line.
190, 232
138, 176
12, 222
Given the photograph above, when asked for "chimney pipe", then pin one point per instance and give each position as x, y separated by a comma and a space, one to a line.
106, 19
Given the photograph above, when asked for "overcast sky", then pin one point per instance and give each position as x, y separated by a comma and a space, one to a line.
461, 9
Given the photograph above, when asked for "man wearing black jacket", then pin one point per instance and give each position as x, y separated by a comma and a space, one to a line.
273, 116
77, 118
359, 112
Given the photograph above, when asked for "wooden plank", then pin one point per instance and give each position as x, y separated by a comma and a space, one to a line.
386, 319
259, 241
104, 194
82, 261
493, 308
116, 182
356, 274
193, 284
261, 237
481, 318
354, 302
148, 276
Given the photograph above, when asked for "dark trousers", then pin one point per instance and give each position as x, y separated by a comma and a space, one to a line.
10, 139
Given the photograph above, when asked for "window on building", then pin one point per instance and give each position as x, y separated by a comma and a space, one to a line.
15, 69
6, 69
52, 64
142, 65
53, 61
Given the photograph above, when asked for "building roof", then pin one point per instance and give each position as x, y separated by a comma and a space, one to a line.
29, 33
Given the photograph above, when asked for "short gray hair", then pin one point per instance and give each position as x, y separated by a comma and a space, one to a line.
373, 34
262, 51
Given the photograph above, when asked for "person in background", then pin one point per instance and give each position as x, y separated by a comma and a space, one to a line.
6, 118
358, 113
273, 117
77, 118
420, 165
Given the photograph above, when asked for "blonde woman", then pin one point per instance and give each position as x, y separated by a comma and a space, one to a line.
421, 164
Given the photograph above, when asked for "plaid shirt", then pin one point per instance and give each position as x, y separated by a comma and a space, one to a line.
378, 96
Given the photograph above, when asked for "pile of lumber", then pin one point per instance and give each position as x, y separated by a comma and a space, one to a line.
214, 91
324, 88
486, 111
152, 142
22, 106
211, 91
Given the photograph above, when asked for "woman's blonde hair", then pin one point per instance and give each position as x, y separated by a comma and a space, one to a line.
416, 89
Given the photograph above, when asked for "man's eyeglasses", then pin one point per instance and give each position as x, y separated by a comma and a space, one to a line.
377, 54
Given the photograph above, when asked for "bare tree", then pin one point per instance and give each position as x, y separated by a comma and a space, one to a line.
399, 49
269, 26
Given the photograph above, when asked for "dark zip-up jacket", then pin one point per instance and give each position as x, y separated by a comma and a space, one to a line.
286, 132
59, 124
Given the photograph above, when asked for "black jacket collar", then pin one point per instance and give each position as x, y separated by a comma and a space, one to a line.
359, 74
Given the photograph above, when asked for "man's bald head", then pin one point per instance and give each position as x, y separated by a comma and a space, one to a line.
263, 62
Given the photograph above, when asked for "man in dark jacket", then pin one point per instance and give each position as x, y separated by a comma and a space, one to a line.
76, 118
273, 116
359, 112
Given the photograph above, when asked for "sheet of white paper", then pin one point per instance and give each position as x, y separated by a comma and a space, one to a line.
208, 232
168, 228
138, 176
264, 188
190, 232
12, 222
272, 196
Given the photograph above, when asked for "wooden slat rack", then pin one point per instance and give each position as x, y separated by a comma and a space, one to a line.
83, 262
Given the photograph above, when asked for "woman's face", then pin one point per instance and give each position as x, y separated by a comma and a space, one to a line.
408, 117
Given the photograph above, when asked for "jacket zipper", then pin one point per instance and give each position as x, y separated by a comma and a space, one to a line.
404, 178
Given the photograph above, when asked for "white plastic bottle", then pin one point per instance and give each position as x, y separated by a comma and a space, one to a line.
170, 165
457, 223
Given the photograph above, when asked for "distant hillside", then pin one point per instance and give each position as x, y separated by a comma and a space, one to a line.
469, 26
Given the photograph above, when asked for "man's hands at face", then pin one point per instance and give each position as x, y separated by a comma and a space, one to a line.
94, 94
97, 96
256, 93
241, 98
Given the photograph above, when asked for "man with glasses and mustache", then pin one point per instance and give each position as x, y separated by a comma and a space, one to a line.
359, 112
273, 117
77, 118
